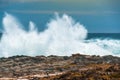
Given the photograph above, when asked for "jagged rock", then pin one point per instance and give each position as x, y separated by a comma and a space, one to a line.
75, 67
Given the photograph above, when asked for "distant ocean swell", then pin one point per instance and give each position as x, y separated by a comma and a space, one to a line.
63, 36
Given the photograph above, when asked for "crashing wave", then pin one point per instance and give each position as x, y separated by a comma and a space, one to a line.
63, 36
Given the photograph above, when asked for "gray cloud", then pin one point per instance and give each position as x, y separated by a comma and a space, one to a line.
27, 0
67, 12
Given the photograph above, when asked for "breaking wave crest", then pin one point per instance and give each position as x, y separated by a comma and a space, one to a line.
63, 36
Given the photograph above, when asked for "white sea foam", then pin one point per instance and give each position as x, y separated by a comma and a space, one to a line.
63, 36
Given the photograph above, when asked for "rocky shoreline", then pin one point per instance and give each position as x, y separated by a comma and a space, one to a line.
74, 67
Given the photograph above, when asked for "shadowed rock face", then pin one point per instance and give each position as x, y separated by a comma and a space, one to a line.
53, 67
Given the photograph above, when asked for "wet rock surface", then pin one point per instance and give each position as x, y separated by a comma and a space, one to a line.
74, 67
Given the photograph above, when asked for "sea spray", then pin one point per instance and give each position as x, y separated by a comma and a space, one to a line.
63, 36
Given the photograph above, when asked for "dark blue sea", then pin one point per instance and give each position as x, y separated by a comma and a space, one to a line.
103, 35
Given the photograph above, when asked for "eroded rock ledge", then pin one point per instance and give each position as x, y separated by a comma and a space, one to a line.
74, 67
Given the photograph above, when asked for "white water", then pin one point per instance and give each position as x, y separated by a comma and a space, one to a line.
62, 37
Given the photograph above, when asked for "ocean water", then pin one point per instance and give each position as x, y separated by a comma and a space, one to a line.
103, 36
63, 36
